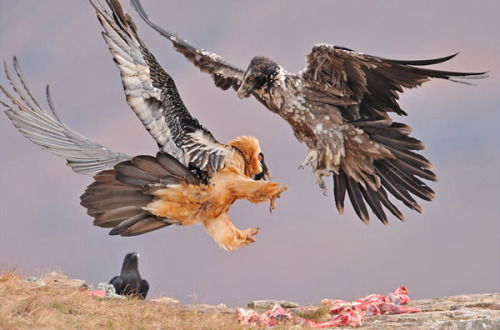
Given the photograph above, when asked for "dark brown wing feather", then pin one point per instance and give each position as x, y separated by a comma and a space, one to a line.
372, 82
225, 75
373, 200
357, 201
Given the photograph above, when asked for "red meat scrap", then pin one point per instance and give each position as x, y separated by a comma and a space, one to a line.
342, 313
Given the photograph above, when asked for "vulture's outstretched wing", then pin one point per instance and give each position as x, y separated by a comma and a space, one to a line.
364, 89
369, 81
225, 75
84, 156
153, 96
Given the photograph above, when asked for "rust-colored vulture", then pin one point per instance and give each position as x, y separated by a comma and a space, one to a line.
192, 179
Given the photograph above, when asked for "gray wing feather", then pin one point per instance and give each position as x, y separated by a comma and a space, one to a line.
83, 155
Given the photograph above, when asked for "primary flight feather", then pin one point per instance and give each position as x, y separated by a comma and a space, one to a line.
338, 106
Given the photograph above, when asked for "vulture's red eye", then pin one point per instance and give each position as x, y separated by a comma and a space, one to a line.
251, 78
259, 157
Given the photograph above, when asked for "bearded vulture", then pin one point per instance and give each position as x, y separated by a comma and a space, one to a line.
338, 106
192, 179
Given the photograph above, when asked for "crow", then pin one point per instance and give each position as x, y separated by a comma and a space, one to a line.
129, 282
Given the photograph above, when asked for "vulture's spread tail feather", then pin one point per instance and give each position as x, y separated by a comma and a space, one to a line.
118, 197
399, 176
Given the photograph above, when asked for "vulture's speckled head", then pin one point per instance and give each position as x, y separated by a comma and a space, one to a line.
259, 76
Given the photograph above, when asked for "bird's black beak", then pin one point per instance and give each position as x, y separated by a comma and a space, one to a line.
265, 172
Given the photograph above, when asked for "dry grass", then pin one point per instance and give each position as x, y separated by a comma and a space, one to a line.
57, 306
319, 314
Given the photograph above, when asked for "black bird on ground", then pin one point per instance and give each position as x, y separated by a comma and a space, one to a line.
129, 282
339, 106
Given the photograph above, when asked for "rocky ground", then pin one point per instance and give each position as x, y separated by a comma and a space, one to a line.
468, 311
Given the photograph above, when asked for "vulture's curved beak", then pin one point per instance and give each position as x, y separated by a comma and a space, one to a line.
245, 90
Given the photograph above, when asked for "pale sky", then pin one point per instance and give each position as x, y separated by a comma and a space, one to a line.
305, 251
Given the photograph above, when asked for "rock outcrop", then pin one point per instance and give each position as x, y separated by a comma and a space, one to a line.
471, 311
